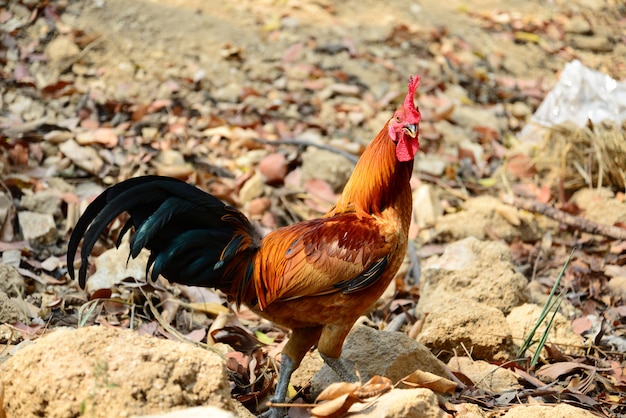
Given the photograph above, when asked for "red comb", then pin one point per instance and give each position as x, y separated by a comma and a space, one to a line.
409, 104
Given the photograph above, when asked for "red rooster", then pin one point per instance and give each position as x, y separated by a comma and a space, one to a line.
315, 277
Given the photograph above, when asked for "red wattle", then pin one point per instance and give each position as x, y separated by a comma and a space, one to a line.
406, 148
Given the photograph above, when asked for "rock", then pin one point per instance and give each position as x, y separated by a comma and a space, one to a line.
369, 351
274, 167
515, 64
86, 158
472, 117
252, 188
577, 24
37, 228
482, 213
114, 265
311, 364
600, 206
547, 411
12, 258
433, 165
486, 376
592, 43
461, 324
6, 205
11, 282
62, 48
43, 201
520, 110
11, 310
429, 206
110, 372
326, 165
481, 271
400, 403
617, 287
197, 412
104, 136
523, 318
171, 163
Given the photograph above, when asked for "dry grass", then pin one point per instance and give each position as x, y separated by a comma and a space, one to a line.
593, 156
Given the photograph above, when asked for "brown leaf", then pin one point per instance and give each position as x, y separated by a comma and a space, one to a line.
431, 381
521, 166
335, 408
554, 371
196, 335
336, 390
377, 385
101, 294
237, 337
106, 137
581, 325
554, 354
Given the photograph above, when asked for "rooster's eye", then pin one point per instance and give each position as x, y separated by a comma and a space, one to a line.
398, 118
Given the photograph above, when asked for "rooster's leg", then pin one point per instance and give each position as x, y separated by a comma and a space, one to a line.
343, 369
330, 345
301, 340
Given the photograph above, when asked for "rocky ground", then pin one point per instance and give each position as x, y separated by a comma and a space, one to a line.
267, 105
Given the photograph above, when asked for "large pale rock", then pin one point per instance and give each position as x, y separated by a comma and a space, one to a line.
401, 403
481, 271
197, 412
460, 324
522, 319
389, 354
109, 372
547, 411
484, 212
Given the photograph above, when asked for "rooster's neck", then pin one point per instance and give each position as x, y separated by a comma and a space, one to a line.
379, 180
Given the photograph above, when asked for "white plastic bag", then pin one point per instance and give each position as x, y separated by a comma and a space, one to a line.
582, 94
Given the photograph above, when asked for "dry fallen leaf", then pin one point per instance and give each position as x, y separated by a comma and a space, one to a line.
336, 390
336, 407
377, 385
553, 371
431, 381
212, 308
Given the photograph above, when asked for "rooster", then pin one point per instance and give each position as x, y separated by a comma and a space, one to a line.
315, 277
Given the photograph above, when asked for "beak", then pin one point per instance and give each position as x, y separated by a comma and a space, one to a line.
410, 129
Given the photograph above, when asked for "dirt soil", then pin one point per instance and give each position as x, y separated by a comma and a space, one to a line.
99, 91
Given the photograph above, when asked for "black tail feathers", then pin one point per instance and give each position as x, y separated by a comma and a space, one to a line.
191, 235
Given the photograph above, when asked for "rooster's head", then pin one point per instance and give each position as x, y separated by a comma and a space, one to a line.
404, 126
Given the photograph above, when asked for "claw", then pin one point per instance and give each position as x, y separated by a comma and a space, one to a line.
274, 412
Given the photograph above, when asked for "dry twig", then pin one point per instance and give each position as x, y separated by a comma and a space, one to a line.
583, 224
